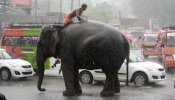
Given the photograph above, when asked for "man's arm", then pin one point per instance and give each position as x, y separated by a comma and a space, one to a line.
78, 14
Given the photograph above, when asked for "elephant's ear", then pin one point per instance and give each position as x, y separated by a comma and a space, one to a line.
58, 27
48, 29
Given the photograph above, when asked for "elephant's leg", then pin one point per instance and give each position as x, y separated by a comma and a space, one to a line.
77, 86
117, 85
69, 74
109, 86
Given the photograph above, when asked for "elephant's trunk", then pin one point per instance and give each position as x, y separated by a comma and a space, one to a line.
40, 65
40, 78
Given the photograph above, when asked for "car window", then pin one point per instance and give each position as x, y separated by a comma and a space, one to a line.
6, 55
135, 58
29, 41
1, 56
11, 41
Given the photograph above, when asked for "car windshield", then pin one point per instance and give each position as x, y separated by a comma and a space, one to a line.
150, 38
170, 39
135, 58
6, 55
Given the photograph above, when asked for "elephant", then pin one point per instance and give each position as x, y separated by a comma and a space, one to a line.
83, 45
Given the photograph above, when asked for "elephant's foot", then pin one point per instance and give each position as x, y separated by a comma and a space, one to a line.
117, 90
106, 93
68, 93
78, 91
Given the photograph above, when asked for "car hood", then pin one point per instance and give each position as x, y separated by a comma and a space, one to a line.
147, 64
15, 61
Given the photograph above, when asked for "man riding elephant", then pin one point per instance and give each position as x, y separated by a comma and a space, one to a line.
76, 13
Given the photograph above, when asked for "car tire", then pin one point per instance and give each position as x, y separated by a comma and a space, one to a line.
140, 79
86, 77
5, 74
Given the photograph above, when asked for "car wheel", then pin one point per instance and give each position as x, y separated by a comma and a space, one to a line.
86, 77
5, 74
140, 79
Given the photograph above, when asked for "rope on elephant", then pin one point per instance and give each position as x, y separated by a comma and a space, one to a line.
57, 62
59, 70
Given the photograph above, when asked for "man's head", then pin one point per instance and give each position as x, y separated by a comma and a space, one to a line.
83, 6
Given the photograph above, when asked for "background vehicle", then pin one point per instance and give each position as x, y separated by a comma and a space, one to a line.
10, 66
168, 47
149, 43
21, 40
140, 72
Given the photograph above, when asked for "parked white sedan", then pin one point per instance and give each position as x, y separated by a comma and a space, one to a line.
10, 66
140, 72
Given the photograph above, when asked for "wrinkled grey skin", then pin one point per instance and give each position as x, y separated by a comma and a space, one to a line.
87, 45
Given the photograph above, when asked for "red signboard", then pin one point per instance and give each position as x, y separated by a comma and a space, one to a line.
21, 2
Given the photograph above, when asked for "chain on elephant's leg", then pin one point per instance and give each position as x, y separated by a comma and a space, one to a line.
68, 74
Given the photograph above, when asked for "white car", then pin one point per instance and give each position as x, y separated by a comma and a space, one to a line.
140, 72
10, 66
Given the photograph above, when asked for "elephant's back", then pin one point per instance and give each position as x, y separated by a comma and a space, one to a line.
91, 33
91, 28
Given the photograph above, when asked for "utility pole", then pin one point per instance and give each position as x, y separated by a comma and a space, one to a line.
79, 2
48, 9
120, 18
61, 12
72, 5
4, 6
36, 7
158, 12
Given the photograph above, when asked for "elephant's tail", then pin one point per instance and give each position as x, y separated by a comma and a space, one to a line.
127, 50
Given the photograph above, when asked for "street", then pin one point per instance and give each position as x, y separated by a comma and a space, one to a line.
26, 89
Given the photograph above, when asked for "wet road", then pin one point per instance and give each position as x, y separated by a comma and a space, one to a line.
26, 90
